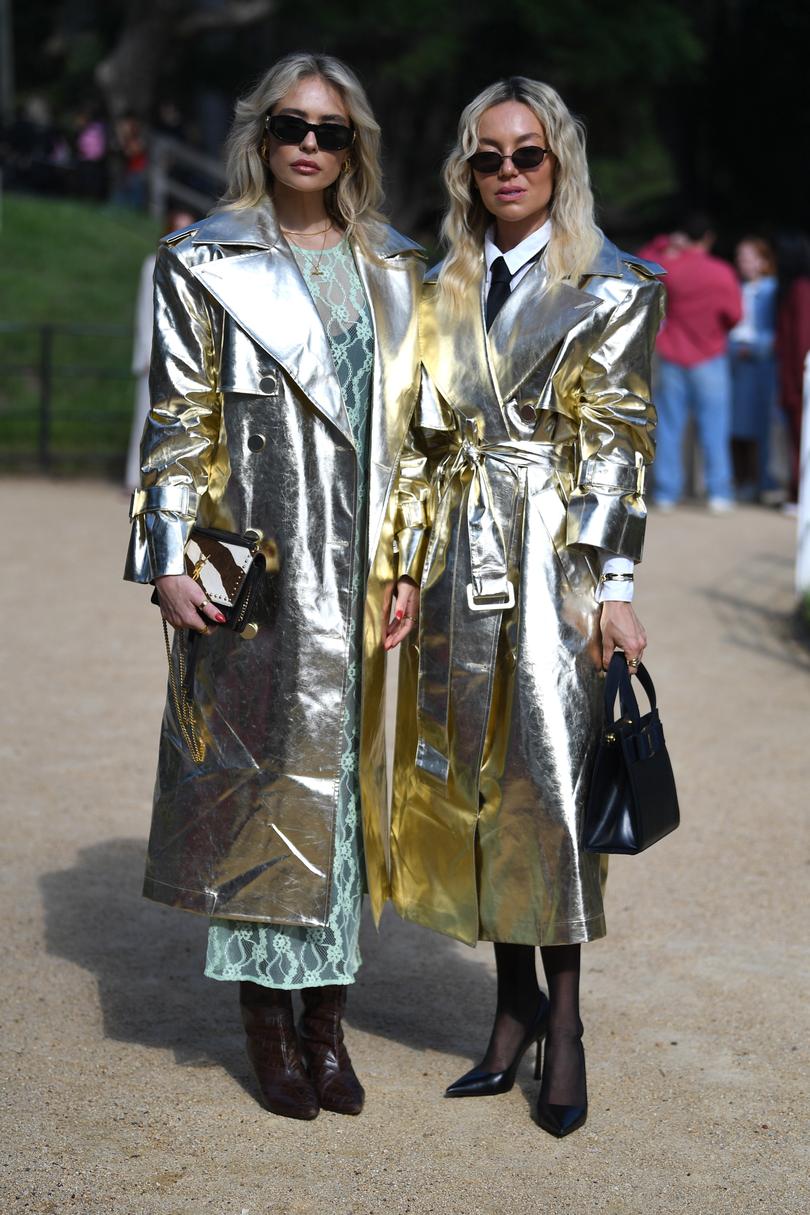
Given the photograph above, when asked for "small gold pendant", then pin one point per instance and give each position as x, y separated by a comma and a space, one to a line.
316, 273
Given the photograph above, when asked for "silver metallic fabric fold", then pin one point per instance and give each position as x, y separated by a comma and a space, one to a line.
248, 432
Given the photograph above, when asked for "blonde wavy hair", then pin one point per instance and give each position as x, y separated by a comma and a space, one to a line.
575, 238
354, 199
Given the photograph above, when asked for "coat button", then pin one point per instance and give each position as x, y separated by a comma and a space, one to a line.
249, 631
255, 442
268, 383
528, 413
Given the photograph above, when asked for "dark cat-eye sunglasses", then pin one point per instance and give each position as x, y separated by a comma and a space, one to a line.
331, 136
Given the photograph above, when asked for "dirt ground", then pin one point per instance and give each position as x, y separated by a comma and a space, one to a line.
126, 1089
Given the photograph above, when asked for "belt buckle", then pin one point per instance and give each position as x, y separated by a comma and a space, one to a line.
491, 603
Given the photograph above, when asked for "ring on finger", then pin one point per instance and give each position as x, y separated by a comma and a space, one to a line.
412, 619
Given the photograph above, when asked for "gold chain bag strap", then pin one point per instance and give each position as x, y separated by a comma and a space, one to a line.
230, 572
183, 700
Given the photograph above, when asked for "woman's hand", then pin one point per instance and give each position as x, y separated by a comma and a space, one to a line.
406, 614
622, 629
184, 604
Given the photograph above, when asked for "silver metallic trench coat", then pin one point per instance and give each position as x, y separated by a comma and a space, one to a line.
527, 454
248, 431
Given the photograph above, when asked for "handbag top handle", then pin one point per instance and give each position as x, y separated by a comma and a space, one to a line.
618, 681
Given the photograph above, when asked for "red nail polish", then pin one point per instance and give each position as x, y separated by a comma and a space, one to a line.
399, 614
220, 618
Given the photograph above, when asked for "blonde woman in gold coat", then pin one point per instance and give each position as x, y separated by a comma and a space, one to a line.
521, 514
284, 373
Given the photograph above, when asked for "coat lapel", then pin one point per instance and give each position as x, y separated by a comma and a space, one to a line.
391, 289
263, 290
531, 324
471, 367
454, 347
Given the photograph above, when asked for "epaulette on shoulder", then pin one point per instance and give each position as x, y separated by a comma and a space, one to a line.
174, 238
645, 268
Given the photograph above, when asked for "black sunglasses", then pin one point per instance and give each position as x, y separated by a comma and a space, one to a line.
331, 136
521, 158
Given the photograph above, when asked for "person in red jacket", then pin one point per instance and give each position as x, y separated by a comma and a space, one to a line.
793, 341
703, 304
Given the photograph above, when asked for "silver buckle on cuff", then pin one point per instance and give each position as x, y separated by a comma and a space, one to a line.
491, 603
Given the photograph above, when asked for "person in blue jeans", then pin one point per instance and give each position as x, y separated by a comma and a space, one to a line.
703, 304
753, 368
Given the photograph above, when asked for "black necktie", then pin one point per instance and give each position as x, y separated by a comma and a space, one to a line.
498, 289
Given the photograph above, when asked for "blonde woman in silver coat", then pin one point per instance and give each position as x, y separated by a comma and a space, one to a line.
521, 513
284, 374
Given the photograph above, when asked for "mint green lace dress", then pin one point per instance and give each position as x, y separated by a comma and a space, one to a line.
293, 957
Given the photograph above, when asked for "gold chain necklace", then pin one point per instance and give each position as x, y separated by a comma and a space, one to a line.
316, 272
295, 232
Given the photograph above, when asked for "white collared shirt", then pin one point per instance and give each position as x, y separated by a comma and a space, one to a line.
518, 261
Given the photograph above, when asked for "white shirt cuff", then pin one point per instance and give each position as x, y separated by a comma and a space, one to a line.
618, 591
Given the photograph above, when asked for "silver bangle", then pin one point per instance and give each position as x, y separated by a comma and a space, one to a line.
617, 578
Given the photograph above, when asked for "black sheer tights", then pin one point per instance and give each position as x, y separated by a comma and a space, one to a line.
564, 1060
517, 1004
518, 1000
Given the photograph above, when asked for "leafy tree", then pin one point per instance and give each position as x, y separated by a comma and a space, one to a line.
687, 102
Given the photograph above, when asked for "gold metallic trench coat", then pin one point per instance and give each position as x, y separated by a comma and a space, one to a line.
248, 431
527, 454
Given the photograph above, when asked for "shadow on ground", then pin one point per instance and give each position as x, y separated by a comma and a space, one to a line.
415, 988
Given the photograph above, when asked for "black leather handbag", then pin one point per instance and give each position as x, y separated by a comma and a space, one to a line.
632, 801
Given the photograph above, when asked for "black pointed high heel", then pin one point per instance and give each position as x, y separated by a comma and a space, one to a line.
479, 1083
561, 1120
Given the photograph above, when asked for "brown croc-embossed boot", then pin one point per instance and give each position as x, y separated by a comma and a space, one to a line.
274, 1051
320, 1031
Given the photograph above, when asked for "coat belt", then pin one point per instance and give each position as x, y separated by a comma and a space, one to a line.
490, 589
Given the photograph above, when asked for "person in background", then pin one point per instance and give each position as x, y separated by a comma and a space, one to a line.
131, 188
703, 304
793, 343
91, 155
753, 367
142, 350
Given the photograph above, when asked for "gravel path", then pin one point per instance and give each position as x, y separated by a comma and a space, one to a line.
126, 1089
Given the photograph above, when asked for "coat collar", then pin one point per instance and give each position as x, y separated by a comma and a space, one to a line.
529, 327
262, 288
257, 226
608, 260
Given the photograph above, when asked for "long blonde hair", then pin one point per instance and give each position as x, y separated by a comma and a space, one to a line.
575, 238
353, 200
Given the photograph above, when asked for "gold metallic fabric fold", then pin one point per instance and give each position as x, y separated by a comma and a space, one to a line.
538, 461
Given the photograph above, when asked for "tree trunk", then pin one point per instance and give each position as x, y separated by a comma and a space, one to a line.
129, 75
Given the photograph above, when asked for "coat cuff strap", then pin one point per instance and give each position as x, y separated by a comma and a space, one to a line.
179, 499
604, 475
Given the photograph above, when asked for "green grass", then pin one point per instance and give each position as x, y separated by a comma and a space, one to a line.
62, 263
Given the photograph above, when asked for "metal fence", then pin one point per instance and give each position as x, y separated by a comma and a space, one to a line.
179, 174
66, 396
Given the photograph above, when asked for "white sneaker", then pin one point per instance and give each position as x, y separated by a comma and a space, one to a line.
720, 506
